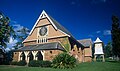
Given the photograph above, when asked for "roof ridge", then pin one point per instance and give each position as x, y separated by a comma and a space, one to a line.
85, 39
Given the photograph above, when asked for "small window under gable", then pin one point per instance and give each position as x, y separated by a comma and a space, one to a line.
42, 40
42, 34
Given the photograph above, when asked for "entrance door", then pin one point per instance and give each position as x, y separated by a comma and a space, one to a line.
30, 55
39, 56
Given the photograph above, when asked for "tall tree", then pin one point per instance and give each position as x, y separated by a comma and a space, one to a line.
115, 36
108, 49
23, 33
5, 30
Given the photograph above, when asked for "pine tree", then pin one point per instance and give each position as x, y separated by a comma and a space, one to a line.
115, 36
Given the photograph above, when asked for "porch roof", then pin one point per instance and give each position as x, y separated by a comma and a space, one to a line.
45, 46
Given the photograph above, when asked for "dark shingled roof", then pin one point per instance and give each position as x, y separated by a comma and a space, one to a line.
85, 42
59, 26
45, 46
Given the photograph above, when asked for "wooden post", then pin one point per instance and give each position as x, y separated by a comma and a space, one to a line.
94, 57
103, 58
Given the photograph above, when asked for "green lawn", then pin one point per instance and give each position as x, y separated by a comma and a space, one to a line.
93, 66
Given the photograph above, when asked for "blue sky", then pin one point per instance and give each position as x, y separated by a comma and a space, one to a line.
83, 18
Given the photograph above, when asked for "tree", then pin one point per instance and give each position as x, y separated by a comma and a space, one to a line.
23, 33
5, 30
108, 49
2, 55
115, 36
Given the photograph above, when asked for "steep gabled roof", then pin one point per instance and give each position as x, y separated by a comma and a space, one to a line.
85, 42
55, 24
60, 27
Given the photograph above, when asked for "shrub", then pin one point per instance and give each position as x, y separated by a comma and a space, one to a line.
37, 63
21, 63
63, 61
45, 64
34, 63
14, 63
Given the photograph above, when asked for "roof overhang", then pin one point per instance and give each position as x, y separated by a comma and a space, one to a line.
45, 46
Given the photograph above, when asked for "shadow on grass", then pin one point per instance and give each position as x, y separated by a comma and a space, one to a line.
113, 61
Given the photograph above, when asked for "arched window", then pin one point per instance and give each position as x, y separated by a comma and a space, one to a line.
30, 55
39, 56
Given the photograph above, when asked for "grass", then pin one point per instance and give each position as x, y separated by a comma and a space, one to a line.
93, 66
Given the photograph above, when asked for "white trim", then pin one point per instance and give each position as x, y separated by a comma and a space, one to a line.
64, 32
19, 58
43, 54
30, 40
25, 39
47, 38
42, 15
97, 40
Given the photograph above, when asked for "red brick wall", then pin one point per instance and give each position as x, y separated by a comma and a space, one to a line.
15, 57
64, 41
50, 54
88, 59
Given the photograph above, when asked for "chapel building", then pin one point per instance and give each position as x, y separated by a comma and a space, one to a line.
48, 38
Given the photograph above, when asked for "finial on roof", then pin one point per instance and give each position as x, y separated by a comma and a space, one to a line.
43, 11
97, 40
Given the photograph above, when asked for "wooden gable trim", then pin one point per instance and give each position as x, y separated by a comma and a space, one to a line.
40, 17
46, 16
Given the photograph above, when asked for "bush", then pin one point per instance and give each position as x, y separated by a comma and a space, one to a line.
21, 63
63, 61
14, 63
45, 64
37, 63
34, 63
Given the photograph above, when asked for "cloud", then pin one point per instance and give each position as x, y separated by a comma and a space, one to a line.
90, 35
7, 49
98, 32
17, 26
98, 1
106, 32
11, 42
73, 3
10, 45
14, 22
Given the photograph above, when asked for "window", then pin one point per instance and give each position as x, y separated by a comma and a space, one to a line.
51, 52
38, 41
42, 40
